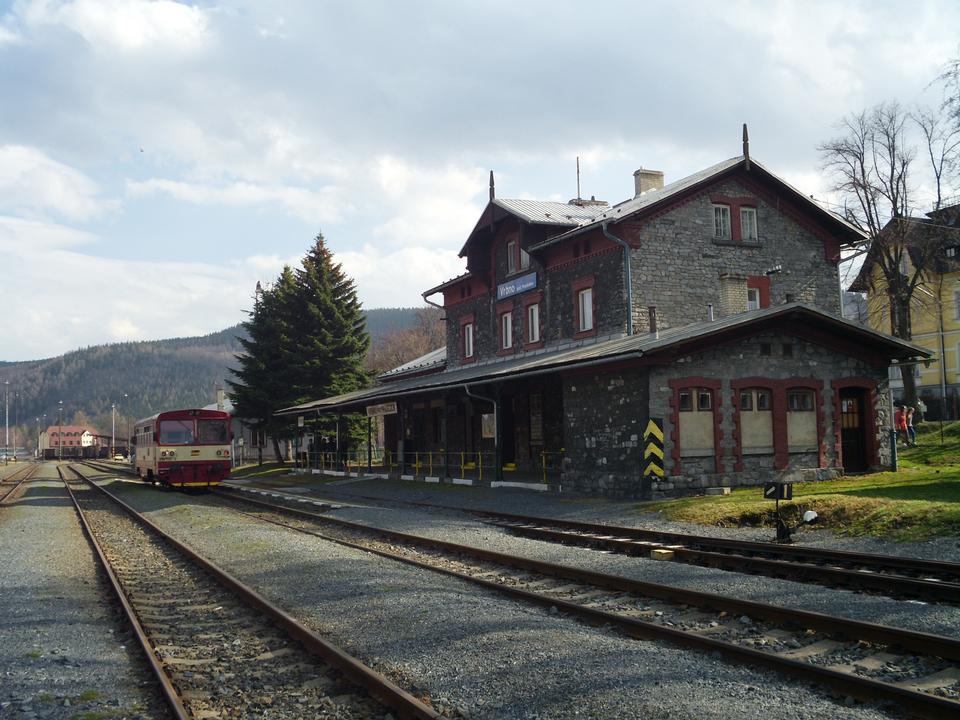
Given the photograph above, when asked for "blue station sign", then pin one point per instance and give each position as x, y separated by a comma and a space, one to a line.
517, 286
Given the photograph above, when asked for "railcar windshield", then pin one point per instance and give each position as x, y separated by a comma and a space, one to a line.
176, 432
212, 432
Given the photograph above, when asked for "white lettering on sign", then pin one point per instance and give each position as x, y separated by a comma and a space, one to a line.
517, 286
389, 408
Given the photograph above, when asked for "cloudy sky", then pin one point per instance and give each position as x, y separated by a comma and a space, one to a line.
158, 158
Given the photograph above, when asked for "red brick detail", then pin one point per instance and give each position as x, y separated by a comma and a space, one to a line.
716, 401
533, 298
503, 307
472, 287
869, 419
762, 284
778, 398
734, 203
575, 287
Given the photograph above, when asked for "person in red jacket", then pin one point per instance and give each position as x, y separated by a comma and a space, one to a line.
900, 423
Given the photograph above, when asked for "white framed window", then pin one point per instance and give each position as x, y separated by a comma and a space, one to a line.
721, 222
753, 299
524, 259
468, 340
512, 256
748, 224
533, 323
585, 306
950, 252
506, 331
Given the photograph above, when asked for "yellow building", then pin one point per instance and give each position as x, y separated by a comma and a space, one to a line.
934, 309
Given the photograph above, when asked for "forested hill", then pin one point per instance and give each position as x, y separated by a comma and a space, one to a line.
155, 375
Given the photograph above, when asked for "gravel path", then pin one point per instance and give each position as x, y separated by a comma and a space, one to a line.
63, 652
489, 657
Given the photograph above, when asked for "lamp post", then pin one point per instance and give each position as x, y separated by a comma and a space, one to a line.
16, 423
6, 416
113, 428
126, 425
60, 431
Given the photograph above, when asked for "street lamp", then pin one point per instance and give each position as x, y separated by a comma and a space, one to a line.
60, 433
113, 428
6, 414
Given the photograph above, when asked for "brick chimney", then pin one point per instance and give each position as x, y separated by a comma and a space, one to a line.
644, 180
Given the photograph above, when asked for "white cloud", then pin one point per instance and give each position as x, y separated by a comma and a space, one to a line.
428, 206
8, 36
75, 299
315, 206
126, 26
397, 279
31, 182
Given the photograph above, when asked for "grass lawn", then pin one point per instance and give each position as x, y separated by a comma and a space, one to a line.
918, 502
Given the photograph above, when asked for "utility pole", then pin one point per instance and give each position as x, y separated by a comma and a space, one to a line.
6, 414
60, 432
113, 428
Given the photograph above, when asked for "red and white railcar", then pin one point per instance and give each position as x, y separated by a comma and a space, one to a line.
183, 448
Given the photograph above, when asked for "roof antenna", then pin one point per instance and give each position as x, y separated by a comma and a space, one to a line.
492, 191
746, 148
578, 177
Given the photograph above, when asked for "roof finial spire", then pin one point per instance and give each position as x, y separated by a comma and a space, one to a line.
578, 177
492, 191
746, 148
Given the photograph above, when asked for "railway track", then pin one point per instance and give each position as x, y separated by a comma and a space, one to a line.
13, 482
919, 673
218, 649
890, 575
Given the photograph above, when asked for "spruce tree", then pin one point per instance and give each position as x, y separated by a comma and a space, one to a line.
307, 341
263, 383
331, 339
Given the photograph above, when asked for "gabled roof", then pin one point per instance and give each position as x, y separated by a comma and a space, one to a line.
661, 349
431, 362
654, 198
70, 429
446, 283
914, 234
536, 212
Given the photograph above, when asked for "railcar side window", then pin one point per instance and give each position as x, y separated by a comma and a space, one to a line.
212, 431
176, 432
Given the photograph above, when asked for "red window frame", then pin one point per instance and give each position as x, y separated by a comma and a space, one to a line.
585, 283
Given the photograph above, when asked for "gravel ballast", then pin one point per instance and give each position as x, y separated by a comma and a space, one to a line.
454, 527
472, 650
64, 650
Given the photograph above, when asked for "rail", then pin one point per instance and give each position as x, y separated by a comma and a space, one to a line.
591, 592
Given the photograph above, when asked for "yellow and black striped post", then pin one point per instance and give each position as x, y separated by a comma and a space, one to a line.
652, 455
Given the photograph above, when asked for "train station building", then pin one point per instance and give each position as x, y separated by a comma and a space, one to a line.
710, 306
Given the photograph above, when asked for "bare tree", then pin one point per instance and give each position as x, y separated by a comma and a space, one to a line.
402, 346
873, 164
